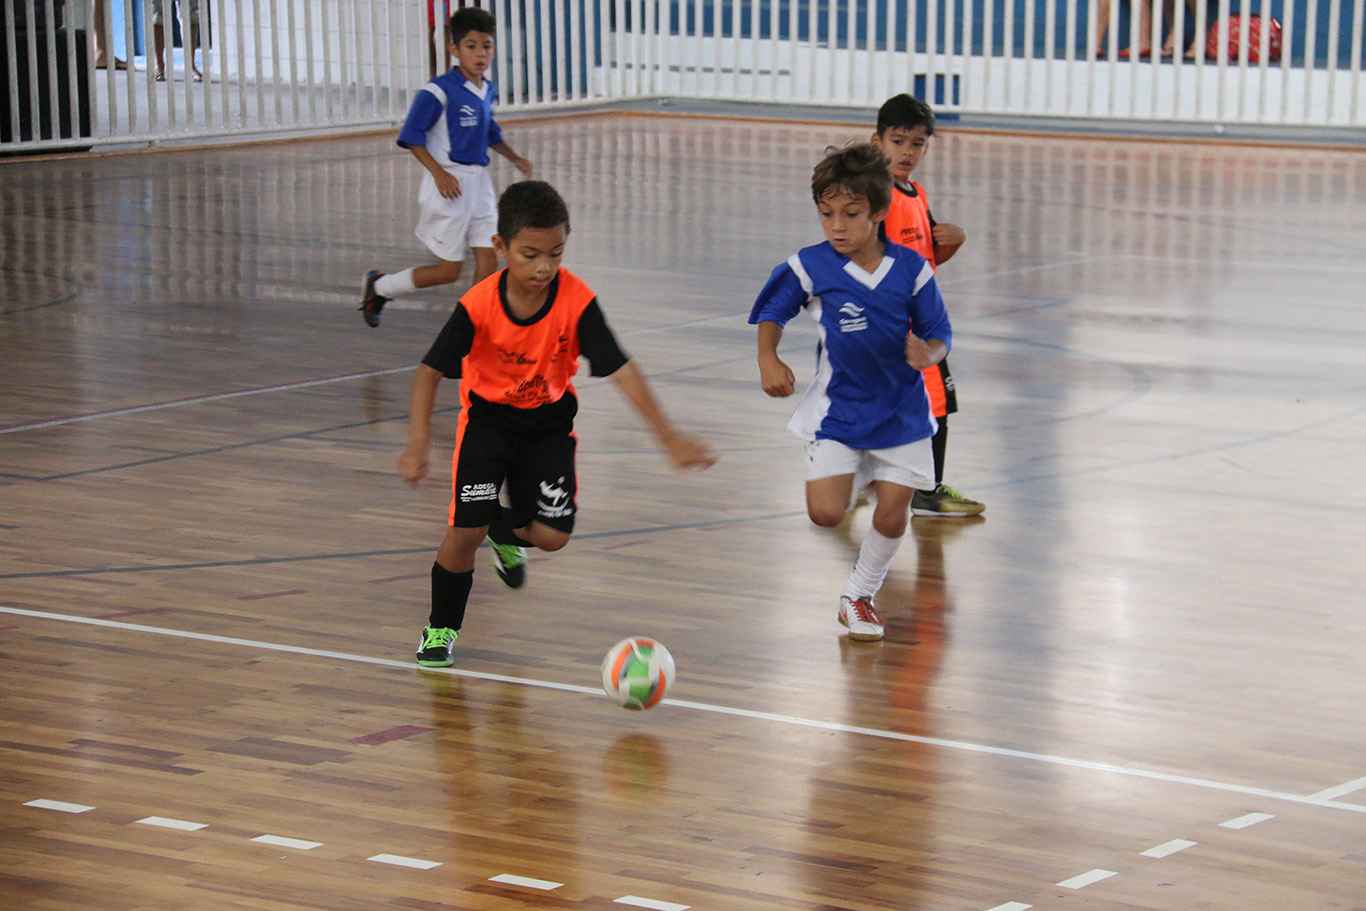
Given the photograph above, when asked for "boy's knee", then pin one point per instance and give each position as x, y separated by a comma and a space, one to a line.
825, 516
890, 524
550, 539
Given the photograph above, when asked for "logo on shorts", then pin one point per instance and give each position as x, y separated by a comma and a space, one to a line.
475, 493
554, 500
852, 318
469, 117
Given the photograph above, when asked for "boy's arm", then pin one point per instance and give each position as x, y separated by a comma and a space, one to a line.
447, 184
948, 240
685, 450
775, 376
931, 333
413, 464
518, 162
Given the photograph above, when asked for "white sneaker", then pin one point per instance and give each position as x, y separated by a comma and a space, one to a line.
860, 615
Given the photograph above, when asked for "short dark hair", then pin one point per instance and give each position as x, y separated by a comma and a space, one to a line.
471, 19
858, 169
531, 204
906, 112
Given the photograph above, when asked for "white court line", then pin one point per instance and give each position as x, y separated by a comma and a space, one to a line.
398, 860
200, 400
964, 746
1342, 790
60, 806
182, 825
1011, 906
1089, 878
1168, 848
636, 901
1244, 822
281, 841
512, 879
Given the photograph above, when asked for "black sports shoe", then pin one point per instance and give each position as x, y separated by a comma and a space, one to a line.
436, 647
371, 303
509, 562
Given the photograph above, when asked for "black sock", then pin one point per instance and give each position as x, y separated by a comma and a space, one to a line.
940, 444
450, 594
503, 531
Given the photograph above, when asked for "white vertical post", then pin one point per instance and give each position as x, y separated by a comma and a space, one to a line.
308, 61
540, 69
1070, 52
1358, 12
187, 30
755, 45
256, 59
1008, 46
1244, 30
773, 20
12, 65
734, 85
73, 94
31, 67
1311, 29
988, 49
832, 41
576, 39
1031, 21
130, 91
275, 62
1132, 69
1334, 28
1178, 56
54, 102
1155, 43
851, 33
716, 47
153, 116
912, 24
1050, 41
811, 39
602, 49
561, 49
1200, 40
326, 80
1263, 50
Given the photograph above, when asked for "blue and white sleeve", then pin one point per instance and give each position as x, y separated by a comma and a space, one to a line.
422, 116
929, 317
781, 298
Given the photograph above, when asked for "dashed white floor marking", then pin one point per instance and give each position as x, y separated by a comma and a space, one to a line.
965, 746
182, 825
510, 879
1089, 878
281, 841
60, 806
636, 901
1011, 906
1342, 790
1168, 848
398, 860
1243, 822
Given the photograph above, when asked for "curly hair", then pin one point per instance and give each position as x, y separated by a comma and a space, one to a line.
858, 169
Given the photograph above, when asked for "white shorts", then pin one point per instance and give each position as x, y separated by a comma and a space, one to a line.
448, 226
911, 465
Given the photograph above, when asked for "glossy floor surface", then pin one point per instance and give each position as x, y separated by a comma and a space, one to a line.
1158, 628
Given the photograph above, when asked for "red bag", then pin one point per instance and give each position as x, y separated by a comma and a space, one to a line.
1254, 40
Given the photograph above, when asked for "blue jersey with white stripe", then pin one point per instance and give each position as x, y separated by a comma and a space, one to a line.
454, 120
864, 394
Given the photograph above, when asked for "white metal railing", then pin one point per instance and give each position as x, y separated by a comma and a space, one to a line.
299, 65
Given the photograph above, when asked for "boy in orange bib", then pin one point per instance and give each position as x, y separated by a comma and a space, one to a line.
904, 128
514, 341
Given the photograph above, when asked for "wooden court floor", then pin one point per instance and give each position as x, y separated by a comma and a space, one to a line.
211, 579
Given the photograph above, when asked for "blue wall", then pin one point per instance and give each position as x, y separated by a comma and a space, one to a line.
1019, 39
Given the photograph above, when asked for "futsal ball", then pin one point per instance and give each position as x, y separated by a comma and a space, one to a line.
636, 672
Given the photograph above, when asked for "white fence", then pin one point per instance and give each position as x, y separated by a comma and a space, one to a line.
297, 65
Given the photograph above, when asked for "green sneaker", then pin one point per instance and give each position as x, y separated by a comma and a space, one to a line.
946, 502
436, 646
509, 561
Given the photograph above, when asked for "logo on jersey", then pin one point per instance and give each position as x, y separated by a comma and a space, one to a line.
514, 357
469, 117
475, 493
852, 318
554, 500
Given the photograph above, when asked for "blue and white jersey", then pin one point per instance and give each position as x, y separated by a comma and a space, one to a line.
864, 393
454, 120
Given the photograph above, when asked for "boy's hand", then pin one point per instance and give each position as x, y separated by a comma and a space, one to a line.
776, 377
447, 184
949, 235
412, 465
523, 165
688, 451
919, 354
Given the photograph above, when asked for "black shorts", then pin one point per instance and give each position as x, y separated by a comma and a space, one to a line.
538, 469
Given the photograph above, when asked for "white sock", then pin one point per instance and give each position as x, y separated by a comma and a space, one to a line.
874, 557
395, 284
